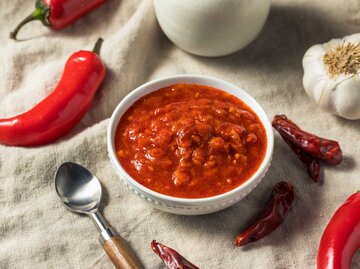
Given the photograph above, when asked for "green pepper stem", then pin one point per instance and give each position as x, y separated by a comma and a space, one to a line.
40, 13
97, 46
14, 33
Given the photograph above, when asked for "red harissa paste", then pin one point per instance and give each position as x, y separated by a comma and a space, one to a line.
190, 141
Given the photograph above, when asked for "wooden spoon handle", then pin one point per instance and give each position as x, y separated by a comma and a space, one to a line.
121, 256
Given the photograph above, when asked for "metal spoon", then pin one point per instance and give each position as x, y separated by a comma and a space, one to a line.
80, 191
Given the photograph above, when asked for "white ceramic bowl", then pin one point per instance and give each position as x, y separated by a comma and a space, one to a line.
211, 27
186, 206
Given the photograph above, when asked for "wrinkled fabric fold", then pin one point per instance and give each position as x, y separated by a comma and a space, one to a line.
37, 232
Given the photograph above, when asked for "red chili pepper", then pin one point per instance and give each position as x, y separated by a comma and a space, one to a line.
324, 149
280, 202
58, 14
341, 237
58, 113
312, 163
171, 258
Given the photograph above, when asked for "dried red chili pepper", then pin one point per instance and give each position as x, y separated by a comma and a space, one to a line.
312, 163
341, 238
324, 149
58, 14
280, 202
58, 113
171, 258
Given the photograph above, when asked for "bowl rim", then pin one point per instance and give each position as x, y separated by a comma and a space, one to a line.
113, 123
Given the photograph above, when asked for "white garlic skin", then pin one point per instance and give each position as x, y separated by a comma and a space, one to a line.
339, 95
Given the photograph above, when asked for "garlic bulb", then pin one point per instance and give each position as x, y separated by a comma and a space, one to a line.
332, 76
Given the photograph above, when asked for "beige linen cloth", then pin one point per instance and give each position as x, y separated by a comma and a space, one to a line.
36, 231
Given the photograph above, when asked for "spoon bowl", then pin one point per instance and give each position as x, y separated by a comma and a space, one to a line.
81, 194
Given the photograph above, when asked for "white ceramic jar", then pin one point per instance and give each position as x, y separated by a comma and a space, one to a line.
212, 27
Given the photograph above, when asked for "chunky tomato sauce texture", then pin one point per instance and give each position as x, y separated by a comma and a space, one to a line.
190, 141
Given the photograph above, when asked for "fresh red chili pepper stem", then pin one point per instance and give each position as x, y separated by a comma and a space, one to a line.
29, 18
97, 46
40, 13
36, 15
